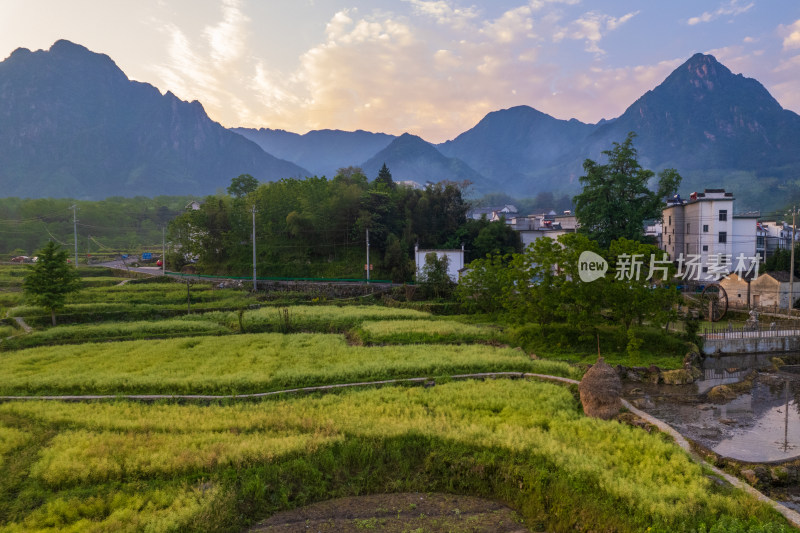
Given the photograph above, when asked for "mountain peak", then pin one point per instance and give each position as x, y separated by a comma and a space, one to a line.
65, 46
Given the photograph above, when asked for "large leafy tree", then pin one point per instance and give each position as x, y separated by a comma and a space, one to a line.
51, 279
616, 199
242, 185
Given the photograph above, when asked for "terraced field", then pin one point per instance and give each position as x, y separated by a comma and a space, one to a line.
120, 465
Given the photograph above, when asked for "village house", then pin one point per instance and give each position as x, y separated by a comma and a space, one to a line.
767, 290
705, 228
455, 261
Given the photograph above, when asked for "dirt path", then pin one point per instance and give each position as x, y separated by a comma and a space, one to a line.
395, 513
322, 388
25, 327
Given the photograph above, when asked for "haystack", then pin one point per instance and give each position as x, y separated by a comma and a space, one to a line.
600, 391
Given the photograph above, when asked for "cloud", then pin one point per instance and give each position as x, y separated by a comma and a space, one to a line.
592, 27
791, 35
211, 67
434, 70
510, 25
444, 13
227, 38
732, 7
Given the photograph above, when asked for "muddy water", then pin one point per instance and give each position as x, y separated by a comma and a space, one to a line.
760, 426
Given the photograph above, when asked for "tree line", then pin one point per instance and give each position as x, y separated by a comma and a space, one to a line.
317, 227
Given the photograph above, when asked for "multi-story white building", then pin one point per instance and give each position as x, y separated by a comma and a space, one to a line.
777, 236
705, 230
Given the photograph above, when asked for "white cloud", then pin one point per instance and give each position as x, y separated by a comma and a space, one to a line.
510, 26
227, 38
731, 7
592, 27
791, 35
444, 13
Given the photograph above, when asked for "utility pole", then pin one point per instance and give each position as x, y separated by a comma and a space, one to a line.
163, 251
367, 254
791, 264
75, 232
255, 281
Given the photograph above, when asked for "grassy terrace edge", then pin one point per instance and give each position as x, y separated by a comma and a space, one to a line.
240, 364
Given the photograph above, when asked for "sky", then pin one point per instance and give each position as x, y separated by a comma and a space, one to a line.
432, 68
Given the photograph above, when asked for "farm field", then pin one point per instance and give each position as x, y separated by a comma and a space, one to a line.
224, 465
243, 364
122, 466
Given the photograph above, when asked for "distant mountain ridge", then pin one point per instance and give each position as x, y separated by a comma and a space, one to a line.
72, 124
409, 155
323, 152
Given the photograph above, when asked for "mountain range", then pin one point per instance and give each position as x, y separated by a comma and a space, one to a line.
72, 124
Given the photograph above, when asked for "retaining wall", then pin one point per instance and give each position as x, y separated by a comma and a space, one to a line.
751, 345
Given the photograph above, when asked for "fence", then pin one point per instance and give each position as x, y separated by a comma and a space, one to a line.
770, 309
785, 328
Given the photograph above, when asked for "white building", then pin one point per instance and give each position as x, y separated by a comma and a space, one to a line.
455, 261
777, 236
705, 229
550, 225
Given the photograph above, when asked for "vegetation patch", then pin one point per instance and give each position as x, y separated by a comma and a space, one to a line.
309, 318
424, 331
114, 331
161, 467
651, 346
243, 364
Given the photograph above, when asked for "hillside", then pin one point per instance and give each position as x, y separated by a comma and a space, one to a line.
73, 125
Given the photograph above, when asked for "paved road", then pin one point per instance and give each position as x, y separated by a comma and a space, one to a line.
117, 263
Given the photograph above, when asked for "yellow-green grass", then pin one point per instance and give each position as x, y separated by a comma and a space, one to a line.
114, 331
239, 364
424, 331
310, 318
217, 467
10, 439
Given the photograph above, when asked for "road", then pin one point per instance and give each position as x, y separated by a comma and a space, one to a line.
117, 263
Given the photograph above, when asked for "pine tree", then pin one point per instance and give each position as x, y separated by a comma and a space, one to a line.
384, 177
51, 279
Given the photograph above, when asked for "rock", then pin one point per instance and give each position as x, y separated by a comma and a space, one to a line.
749, 476
779, 474
643, 403
721, 394
677, 377
633, 375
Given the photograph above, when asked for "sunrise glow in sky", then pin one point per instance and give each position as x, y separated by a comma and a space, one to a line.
433, 68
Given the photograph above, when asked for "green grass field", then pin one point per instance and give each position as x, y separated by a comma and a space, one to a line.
425, 331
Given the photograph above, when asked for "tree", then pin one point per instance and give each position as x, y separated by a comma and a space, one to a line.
384, 178
434, 279
242, 185
51, 279
616, 200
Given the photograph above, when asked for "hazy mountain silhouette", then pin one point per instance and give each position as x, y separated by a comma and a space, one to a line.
322, 152
409, 157
72, 124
